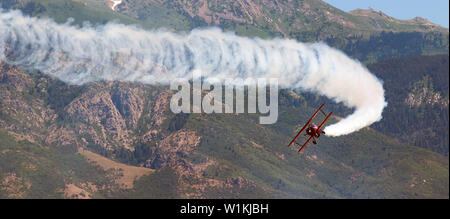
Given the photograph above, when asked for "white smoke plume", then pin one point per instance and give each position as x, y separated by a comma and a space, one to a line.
78, 55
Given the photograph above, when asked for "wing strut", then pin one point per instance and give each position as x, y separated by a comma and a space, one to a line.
323, 122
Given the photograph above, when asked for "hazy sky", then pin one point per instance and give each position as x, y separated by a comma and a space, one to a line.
434, 10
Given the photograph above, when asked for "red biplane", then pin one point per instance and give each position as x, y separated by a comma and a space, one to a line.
313, 130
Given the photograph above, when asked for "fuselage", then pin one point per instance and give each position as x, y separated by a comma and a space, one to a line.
314, 131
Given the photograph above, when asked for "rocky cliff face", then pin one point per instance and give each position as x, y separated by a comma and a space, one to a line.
104, 114
110, 118
423, 93
425, 96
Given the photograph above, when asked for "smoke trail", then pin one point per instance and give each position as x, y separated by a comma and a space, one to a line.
79, 55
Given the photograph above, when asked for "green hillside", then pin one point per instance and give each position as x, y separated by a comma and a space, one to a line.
418, 95
366, 164
30, 170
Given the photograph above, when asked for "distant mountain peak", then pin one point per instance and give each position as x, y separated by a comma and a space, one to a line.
376, 16
370, 13
424, 21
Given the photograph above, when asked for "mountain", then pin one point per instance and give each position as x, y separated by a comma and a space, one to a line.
188, 155
120, 140
378, 21
368, 35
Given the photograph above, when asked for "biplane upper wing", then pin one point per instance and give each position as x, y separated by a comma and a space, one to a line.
323, 122
309, 139
306, 125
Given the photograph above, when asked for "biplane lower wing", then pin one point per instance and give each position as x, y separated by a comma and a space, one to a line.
309, 139
306, 125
